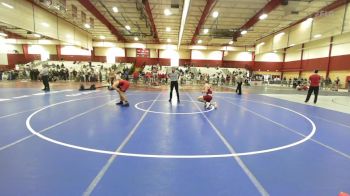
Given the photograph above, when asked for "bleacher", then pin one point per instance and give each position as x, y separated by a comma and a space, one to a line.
78, 65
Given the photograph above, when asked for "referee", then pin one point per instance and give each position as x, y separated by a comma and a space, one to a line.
45, 77
174, 76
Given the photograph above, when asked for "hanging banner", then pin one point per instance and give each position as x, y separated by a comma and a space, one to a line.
140, 52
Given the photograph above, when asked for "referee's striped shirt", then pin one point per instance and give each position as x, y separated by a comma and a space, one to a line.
173, 76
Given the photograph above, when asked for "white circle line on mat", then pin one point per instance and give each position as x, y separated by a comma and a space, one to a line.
169, 113
313, 131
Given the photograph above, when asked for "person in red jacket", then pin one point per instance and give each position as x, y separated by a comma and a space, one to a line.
136, 76
121, 86
314, 86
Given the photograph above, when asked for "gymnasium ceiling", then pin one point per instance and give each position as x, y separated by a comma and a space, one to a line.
148, 22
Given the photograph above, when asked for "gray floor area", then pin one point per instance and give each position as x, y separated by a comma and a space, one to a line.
336, 103
332, 100
289, 90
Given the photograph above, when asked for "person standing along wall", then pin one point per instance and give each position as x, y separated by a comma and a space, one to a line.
337, 84
174, 76
111, 76
45, 77
314, 86
239, 80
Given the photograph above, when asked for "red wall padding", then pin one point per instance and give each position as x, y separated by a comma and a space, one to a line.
54, 57
238, 64
204, 63
20, 59
292, 65
340, 62
267, 66
312, 64
101, 59
76, 58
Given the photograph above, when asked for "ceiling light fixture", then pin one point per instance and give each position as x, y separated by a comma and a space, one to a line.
244, 32
309, 19
136, 38
167, 12
317, 36
281, 34
206, 31
263, 16
102, 37
128, 27
86, 25
37, 35
184, 15
7, 5
215, 14
167, 29
199, 41
45, 24
3, 34
261, 44
115, 9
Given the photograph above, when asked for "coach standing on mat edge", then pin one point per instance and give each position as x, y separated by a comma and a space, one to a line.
45, 77
314, 86
174, 76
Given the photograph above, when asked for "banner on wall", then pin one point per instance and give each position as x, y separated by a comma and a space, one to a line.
140, 52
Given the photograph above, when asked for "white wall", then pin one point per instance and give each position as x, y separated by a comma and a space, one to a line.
206, 55
185, 54
280, 40
38, 49
131, 52
300, 33
293, 54
341, 45
167, 54
153, 53
171, 54
72, 50
118, 52
43, 50
317, 49
269, 57
3, 59
238, 56
6, 48
17, 47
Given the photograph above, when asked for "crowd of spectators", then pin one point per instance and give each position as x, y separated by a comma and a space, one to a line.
155, 75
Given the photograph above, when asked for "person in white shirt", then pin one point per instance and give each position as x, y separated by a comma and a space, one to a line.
45, 77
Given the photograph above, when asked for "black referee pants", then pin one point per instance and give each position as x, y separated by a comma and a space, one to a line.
46, 83
176, 85
239, 88
313, 89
